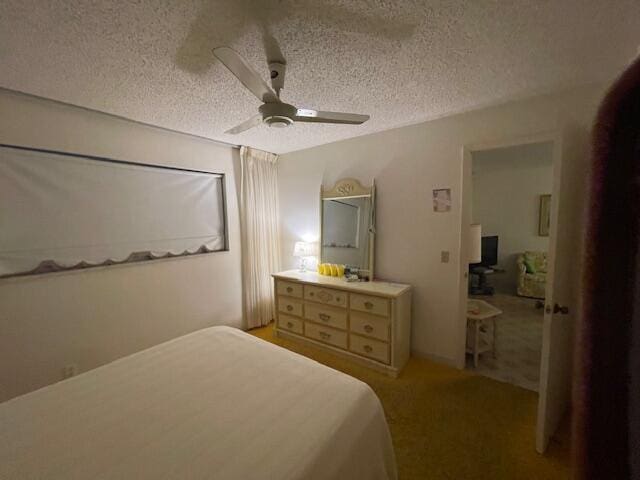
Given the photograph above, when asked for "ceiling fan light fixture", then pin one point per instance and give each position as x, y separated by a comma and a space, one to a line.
277, 121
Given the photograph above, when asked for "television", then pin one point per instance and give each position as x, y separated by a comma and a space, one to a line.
489, 249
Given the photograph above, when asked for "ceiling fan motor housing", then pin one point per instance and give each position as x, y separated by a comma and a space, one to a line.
278, 115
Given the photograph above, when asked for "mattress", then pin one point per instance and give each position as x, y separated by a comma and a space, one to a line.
214, 404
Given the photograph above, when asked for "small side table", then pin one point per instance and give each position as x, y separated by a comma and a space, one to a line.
479, 315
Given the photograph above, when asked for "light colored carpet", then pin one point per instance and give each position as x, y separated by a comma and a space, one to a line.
518, 342
453, 424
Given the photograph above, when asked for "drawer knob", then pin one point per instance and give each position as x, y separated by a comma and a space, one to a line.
368, 328
324, 317
289, 324
311, 294
337, 299
367, 348
289, 308
289, 289
368, 305
325, 335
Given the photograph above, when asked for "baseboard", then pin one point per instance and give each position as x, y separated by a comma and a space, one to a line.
449, 362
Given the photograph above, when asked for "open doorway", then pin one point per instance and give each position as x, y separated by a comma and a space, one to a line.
510, 210
562, 282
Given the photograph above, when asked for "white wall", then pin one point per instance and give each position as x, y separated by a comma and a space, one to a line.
407, 164
507, 184
91, 317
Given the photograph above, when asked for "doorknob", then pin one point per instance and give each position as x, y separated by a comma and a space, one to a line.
557, 309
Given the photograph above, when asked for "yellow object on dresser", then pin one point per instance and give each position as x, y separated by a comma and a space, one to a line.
367, 322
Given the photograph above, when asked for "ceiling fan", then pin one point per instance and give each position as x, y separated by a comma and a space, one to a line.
273, 111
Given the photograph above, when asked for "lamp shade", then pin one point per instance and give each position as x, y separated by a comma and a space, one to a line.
475, 243
305, 249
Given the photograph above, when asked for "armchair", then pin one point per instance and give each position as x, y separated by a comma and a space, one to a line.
532, 274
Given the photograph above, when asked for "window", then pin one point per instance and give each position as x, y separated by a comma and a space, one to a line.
62, 211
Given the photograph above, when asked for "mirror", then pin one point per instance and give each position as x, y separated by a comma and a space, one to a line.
347, 225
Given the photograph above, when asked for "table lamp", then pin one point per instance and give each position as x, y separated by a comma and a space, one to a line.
302, 250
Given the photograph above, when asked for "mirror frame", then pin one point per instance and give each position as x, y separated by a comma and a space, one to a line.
352, 188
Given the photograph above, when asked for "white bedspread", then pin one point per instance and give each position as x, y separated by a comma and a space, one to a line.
214, 404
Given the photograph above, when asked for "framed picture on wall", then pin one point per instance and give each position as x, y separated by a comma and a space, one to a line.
544, 220
442, 200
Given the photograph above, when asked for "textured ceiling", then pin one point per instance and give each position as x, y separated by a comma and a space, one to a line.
399, 61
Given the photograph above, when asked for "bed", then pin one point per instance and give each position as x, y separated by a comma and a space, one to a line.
215, 404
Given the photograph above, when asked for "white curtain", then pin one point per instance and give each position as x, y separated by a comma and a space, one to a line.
260, 237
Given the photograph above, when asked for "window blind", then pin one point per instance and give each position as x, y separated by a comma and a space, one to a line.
63, 211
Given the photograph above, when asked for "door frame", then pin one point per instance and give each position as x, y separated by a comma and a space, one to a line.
555, 138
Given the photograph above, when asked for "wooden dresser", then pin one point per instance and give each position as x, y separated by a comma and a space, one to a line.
368, 322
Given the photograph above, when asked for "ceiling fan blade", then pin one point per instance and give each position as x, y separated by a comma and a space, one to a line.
319, 116
246, 74
246, 125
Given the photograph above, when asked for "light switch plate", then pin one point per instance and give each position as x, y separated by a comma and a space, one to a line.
444, 256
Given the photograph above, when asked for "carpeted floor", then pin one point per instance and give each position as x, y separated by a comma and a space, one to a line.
518, 342
453, 424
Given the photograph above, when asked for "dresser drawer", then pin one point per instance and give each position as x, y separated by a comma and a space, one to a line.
290, 306
369, 348
325, 295
292, 324
334, 337
289, 288
370, 325
369, 304
334, 317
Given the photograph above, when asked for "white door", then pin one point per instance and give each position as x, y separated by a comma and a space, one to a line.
563, 276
